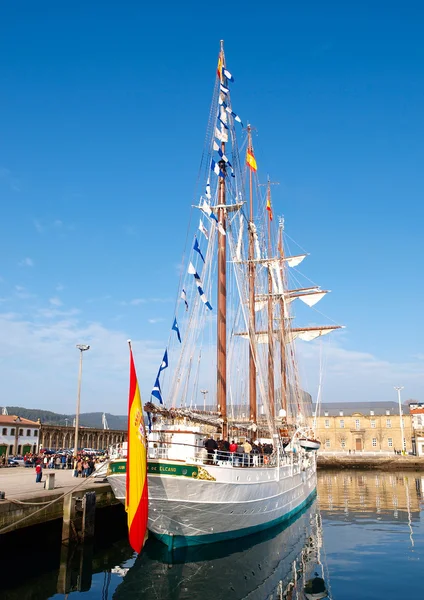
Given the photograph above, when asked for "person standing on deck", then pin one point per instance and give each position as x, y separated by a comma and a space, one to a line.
210, 446
247, 449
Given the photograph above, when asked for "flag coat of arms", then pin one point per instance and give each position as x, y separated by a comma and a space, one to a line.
136, 499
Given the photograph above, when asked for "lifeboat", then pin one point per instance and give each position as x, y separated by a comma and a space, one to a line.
309, 444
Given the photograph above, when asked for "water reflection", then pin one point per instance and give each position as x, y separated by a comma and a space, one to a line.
368, 518
35, 566
277, 563
374, 534
353, 495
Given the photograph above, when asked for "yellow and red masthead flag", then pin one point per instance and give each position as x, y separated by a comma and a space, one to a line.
136, 499
269, 207
219, 67
251, 160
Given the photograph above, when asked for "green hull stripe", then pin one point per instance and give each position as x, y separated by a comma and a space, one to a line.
179, 541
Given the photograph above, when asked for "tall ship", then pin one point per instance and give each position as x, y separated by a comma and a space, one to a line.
231, 448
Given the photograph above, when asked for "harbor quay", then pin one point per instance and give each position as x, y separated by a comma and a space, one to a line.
380, 462
26, 503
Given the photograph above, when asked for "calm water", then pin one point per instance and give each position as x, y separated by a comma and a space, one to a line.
364, 536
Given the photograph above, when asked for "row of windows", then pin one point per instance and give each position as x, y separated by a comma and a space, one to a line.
374, 443
21, 432
358, 423
371, 413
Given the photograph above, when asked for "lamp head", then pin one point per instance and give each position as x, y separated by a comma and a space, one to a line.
83, 347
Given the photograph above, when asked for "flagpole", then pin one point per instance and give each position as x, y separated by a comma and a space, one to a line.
252, 319
222, 287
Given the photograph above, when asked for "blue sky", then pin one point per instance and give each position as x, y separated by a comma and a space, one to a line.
103, 111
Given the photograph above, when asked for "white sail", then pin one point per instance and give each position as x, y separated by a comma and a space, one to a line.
311, 299
311, 333
307, 334
240, 239
253, 228
260, 305
293, 261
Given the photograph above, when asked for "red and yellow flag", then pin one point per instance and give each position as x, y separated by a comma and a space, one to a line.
219, 67
136, 500
251, 160
269, 207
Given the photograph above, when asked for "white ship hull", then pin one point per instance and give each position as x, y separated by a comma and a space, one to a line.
237, 501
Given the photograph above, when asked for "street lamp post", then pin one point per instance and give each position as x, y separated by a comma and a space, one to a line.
398, 389
82, 348
204, 392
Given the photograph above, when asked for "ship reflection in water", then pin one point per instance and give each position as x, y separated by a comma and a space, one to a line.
278, 563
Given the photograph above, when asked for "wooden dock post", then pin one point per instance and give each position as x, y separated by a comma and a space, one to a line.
78, 517
88, 515
75, 568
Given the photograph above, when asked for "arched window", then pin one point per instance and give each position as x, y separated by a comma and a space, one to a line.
21, 432
28, 431
12, 431
4, 432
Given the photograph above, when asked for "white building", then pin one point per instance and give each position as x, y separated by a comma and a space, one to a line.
18, 435
417, 413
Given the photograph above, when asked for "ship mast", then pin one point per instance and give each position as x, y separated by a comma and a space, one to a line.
271, 384
252, 316
282, 328
222, 288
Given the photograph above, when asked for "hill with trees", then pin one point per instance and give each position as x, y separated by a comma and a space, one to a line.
93, 419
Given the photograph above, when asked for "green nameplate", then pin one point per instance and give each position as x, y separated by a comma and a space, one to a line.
120, 467
165, 469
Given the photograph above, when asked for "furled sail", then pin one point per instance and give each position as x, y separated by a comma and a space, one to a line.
307, 334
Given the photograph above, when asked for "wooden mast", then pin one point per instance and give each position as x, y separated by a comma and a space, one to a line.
222, 289
252, 314
271, 384
282, 330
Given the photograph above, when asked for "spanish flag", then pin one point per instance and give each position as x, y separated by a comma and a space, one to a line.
269, 207
136, 500
219, 67
251, 160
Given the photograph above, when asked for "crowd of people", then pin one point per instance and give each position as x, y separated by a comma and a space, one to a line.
241, 454
83, 465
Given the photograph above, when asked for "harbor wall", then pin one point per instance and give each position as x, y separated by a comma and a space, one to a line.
12, 511
381, 463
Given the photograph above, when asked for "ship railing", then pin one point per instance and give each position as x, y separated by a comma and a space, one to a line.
200, 455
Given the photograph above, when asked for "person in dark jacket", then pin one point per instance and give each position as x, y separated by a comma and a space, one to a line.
210, 446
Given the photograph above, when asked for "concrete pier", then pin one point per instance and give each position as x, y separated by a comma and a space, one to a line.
25, 497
